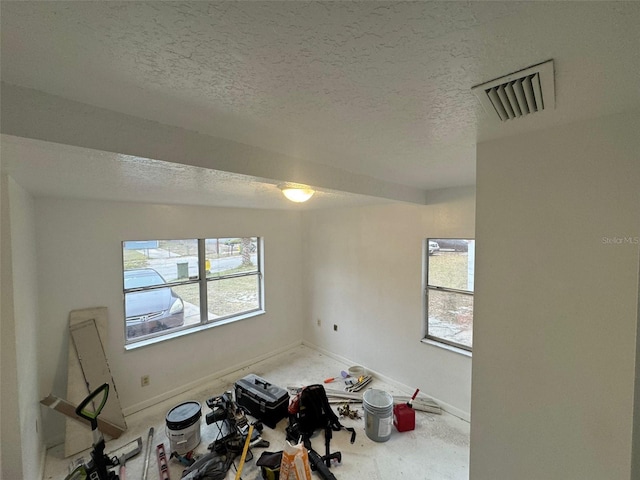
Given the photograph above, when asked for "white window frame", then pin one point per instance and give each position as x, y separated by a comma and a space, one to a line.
202, 281
427, 288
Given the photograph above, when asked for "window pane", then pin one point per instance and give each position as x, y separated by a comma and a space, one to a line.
161, 310
451, 316
190, 295
162, 284
172, 260
228, 256
451, 263
231, 296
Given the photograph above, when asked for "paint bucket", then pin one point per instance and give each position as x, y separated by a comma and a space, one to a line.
183, 427
378, 414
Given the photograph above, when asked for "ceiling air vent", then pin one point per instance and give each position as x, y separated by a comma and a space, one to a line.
520, 93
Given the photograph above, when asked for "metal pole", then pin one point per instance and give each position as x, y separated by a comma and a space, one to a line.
147, 454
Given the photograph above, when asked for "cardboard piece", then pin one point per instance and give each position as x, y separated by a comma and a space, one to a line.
87, 370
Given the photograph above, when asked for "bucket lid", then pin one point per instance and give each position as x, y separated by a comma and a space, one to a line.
183, 415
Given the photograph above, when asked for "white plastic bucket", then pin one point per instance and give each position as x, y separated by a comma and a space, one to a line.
378, 414
183, 427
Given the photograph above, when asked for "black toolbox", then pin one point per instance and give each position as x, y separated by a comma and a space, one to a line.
268, 403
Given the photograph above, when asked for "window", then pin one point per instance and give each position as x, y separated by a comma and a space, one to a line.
175, 285
449, 274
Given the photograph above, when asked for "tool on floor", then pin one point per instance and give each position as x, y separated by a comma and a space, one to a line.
235, 436
319, 464
363, 381
230, 420
97, 467
147, 454
343, 374
124, 453
259, 443
187, 459
163, 466
244, 452
346, 411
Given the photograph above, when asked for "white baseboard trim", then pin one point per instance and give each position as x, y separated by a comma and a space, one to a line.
208, 379
456, 412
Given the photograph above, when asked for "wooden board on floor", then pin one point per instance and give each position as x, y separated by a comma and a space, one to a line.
87, 370
421, 403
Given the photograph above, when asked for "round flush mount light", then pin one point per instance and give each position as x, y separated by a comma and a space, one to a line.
297, 193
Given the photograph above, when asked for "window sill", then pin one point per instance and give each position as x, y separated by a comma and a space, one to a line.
444, 346
189, 331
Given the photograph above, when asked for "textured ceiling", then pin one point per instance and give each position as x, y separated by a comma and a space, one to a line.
379, 89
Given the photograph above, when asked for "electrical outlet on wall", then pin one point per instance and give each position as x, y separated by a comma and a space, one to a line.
318, 322
145, 380
335, 327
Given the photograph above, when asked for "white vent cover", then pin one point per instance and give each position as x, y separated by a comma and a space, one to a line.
520, 93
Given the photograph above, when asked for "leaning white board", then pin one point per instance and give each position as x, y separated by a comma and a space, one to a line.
88, 368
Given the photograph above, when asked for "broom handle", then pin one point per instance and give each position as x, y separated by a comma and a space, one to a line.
147, 454
244, 452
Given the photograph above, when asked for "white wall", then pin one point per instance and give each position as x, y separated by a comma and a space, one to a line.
363, 272
22, 446
556, 305
2, 348
80, 266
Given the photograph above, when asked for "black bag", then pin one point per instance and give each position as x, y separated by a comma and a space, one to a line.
310, 411
269, 463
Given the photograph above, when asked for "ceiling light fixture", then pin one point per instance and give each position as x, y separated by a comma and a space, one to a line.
297, 193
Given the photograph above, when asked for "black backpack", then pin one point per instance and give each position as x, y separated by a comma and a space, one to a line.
310, 411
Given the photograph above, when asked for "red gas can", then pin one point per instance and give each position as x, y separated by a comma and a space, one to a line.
404, 417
